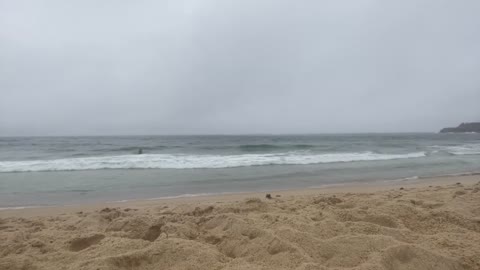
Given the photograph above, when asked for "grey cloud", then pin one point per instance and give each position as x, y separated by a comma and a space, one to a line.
191, 67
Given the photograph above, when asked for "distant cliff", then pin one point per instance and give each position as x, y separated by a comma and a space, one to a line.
463, 128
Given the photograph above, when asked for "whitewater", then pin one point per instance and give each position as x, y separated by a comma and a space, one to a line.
179, 161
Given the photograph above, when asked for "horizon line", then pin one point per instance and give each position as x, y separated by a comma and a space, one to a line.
224, 134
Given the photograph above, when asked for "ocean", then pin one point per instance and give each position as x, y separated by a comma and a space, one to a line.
44, 171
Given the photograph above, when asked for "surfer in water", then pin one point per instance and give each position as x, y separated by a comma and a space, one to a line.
140, 151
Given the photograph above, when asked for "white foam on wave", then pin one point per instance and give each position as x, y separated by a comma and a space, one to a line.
460, 150
182, 161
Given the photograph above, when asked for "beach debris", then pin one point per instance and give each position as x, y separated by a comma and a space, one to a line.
401, 188
278, 195
268, 196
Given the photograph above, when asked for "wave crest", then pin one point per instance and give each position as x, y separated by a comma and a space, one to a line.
182, 161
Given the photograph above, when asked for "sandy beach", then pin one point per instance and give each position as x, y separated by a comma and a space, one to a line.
239, 135
424, 224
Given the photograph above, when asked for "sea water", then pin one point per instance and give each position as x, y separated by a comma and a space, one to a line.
39, 171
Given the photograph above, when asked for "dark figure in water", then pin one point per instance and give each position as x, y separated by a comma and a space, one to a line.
140, 151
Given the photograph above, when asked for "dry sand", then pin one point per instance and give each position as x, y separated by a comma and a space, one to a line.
432, 224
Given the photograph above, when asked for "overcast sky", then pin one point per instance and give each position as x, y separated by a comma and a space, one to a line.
85, 67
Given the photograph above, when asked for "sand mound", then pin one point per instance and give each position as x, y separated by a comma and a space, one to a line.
433, 228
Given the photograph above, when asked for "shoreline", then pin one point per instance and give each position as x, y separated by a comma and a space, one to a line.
351, 187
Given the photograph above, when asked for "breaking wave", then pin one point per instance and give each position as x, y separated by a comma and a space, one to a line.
183, 161
460, 150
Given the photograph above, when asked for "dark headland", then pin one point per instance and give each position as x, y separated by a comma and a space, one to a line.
463, 128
